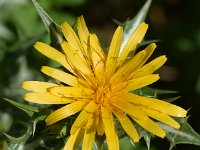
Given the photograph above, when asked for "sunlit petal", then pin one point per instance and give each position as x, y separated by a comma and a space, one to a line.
113, 53
127, 125
53, 54
162, 117
65, 112
90, 133
141, 82
72, 38
60, 75
46, 98
150, 67
67, 91
156, 104
133, 42
111, 138
75, 60
37, 86
83, 116
151, 126
74, 140
100, 127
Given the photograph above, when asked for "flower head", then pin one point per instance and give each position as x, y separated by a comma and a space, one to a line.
99, 86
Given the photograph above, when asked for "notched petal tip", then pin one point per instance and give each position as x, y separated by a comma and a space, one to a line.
153, 45
23, 85
182, 113
156, 76
38, 45
48, 122
163, 135
164, 58
63, 24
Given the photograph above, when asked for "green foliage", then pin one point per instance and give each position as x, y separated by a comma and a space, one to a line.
19, 142
43, 15
185, 135
30, 110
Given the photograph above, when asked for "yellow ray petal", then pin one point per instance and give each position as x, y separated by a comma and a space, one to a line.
157, 105
141, 82
90, 133
149, 50
139, 116
150, 67
96, 48
74, 140
67, 91
71, 141
37, 86
95, 52
65, 112
161, 117
46, 98
82, 32
53, 54
125, 70
100, 127
127, 125
60, 75
113, 53
83, 116
132, 43
109, 127
128, 108
136, 62
151, 126
75, 60
72, 38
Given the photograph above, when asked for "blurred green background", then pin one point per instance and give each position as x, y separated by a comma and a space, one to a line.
175, 22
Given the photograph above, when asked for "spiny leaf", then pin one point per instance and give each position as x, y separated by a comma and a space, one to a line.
172, 99
22, 139
44, 16
36, 120
131, 25
51, 26
185, 135
144, 134
147, 42
30, 110
148, 91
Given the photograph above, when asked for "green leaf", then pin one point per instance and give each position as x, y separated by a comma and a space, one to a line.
144, 134
51, 26
30, 110
147, 42
18, 143
44, 16
131, 25
153, 92
185, 135
36, 120
170, 100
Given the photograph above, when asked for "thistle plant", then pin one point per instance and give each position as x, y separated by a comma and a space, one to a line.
99, 97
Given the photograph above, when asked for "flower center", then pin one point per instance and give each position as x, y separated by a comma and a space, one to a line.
103, 95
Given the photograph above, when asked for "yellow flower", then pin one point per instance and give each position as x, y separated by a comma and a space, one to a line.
98, 86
